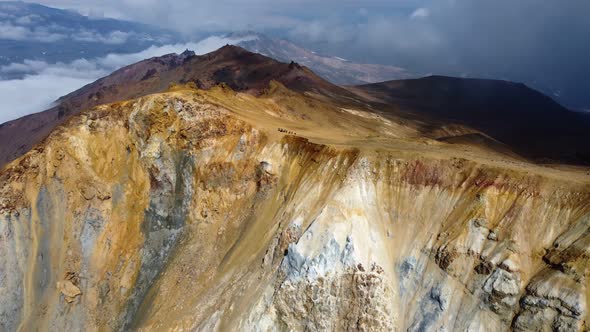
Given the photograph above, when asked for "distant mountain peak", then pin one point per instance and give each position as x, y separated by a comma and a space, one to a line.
187, 53
331, 67
231, 65
228, 51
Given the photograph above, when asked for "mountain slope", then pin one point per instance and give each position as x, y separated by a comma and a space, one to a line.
531, 123
524, 120
333, 69
231, 65
239, 69
219, 210
520, 118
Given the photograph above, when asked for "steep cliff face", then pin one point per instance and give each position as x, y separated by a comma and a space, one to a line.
189, 210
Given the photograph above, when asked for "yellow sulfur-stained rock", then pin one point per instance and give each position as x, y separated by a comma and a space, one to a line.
69, 290
191, 210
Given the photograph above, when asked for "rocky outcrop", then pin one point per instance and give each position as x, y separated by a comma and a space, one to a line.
188, 210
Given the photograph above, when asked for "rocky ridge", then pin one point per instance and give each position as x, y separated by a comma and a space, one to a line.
189, 209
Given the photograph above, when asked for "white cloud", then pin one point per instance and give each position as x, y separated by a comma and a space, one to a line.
34, 93
420, 13
43, 83
15, 32
54, 32
114, 37
28, 66
20, 25
9, 31
323, 30
26, 20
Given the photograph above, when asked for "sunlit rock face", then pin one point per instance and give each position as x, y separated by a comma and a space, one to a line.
189, 211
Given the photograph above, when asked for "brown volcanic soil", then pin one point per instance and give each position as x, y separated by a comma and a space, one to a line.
239, 69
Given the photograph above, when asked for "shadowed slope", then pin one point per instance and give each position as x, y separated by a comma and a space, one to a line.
531, 123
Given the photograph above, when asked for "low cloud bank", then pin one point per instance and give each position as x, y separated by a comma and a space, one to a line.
44, 82
43, 34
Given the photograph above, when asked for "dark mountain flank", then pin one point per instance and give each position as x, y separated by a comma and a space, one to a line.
533, 124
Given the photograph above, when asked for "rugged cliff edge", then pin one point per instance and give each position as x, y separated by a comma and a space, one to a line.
191, 210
